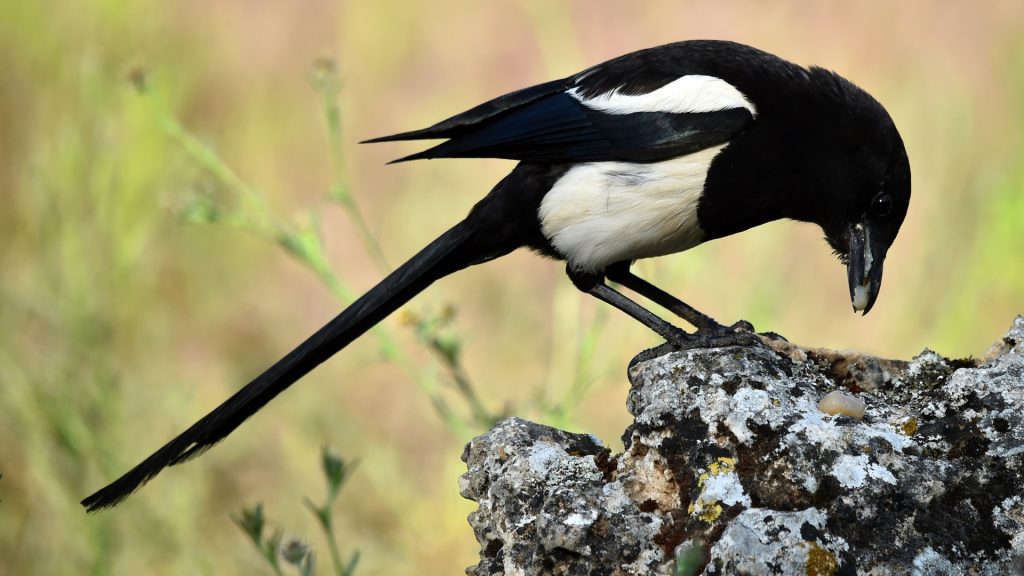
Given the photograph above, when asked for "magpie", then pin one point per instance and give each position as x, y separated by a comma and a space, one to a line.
645, 155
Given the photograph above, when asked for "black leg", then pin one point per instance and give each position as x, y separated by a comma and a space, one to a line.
594, 285
620, 273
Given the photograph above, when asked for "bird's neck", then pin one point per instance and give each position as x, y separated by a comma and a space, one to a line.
761, 177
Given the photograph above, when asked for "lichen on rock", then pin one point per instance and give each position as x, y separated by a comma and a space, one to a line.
729, 448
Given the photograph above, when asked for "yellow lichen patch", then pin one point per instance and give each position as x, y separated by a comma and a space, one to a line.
705, 511
820, 562
909, 427
723, 465
708, 509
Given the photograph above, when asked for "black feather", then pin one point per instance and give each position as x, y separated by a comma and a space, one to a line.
457, 124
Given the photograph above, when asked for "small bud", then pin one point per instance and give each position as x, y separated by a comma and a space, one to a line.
407, 318
138, 76
335, 470
325, 76
448, 346
448, 313
294, 551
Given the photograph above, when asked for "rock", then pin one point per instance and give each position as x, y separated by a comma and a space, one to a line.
729, 455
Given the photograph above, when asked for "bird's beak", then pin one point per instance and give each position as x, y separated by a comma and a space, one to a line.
866, 256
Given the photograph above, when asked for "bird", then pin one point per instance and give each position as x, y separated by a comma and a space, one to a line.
648, 154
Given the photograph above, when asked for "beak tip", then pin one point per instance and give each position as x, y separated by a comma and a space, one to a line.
862, 300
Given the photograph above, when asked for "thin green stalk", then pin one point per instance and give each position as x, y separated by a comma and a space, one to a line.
327, 81
480, 413
332, 546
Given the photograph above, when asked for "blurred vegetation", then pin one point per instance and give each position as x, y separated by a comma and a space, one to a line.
295, 551
120, 323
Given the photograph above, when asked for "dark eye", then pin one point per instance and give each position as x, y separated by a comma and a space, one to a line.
881, 205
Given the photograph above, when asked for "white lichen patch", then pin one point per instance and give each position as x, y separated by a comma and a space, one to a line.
750, 405
1008, 516
542, 455
854, 471
924, 360
551, 462
743, 548
930, 562
578, 519
615, 498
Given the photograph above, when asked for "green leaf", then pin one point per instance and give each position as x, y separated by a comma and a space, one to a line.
251, 521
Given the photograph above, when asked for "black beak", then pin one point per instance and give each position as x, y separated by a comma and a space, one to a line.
866, 256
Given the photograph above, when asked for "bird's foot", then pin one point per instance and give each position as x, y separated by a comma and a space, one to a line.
739, 334
716, 329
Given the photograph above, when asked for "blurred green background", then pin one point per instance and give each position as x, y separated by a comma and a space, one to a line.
121, 323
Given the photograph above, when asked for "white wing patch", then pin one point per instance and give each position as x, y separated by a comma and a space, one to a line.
601, 213
693, 93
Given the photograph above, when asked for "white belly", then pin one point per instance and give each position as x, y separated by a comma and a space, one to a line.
601, 213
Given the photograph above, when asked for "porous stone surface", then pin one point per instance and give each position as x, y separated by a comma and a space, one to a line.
730, 455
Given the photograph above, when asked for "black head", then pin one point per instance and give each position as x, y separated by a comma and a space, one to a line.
866, 183
821, 150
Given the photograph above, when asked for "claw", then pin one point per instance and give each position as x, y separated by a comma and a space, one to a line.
742, 326
739, 327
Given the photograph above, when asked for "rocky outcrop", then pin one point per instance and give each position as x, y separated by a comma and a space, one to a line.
731, 463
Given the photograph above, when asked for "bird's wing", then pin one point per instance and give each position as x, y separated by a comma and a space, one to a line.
653, 118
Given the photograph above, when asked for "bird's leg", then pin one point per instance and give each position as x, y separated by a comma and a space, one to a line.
594, 285
621, 274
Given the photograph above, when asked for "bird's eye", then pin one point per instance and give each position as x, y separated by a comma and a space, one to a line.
881, 205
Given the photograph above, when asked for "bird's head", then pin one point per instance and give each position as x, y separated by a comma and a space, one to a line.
868, 198
863, 233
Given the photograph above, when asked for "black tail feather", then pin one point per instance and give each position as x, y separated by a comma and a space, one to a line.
432, 133
449, 253
474, 117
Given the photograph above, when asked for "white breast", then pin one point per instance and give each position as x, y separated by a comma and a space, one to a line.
601, 213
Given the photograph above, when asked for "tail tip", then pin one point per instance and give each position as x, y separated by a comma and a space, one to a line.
417, 156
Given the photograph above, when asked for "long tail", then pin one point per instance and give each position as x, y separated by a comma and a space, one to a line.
454, 250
